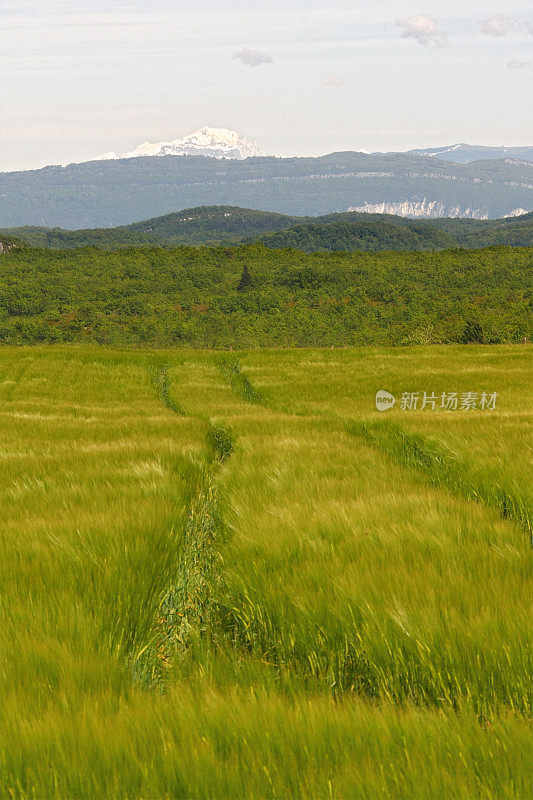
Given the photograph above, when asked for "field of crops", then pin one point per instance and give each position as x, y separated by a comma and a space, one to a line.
227, 575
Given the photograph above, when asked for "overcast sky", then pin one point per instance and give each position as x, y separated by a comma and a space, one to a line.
300, 76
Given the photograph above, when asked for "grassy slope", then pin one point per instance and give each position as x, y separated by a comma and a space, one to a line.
343, 231
370, 629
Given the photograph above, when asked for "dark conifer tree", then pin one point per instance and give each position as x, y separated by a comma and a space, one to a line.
245, 281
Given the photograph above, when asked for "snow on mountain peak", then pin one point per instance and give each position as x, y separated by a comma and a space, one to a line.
206, 141
106, 156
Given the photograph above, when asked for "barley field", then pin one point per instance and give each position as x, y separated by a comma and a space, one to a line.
227, 575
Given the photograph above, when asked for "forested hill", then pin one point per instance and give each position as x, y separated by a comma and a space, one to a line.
346, 231
373, 232
252, 296
514, 231
202, 225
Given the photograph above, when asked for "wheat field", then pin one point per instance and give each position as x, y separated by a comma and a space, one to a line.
225, 574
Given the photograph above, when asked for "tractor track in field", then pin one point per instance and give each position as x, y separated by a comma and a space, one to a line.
196, 604
186, 605
444, 469
420, 454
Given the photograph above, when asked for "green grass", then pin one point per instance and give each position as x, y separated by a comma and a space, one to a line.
212, 588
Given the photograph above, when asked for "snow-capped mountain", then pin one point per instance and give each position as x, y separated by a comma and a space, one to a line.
206, 141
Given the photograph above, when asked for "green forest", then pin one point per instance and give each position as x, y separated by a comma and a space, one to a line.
253, 296
343, 231
375, 232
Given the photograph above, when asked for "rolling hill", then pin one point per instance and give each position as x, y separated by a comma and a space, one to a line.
374, 232
514, 231
348, 231
202, 225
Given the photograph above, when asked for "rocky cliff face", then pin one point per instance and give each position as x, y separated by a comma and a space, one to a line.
428, 209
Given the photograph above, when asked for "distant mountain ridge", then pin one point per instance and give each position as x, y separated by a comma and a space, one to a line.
225, 143
119, 192
466, 153
231, 225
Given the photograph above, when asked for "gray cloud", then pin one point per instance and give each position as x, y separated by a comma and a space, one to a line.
498, 25
252, 58
515, 63
333, 80
423, 29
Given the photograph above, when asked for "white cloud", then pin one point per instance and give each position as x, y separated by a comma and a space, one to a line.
423, 29
333, 80
501, 25
252, 58
497, 25
515, 63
